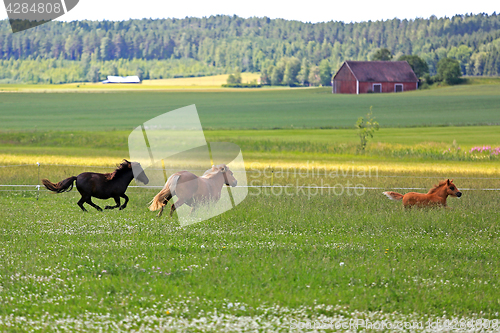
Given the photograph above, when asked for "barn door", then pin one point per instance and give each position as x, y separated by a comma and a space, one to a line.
398, 87
377, 88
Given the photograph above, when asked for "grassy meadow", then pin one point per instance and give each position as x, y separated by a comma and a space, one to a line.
281, 258
253, 109
401, 150
270, 261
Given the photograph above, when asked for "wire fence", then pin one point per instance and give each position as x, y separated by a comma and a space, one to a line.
41, 188
273, 173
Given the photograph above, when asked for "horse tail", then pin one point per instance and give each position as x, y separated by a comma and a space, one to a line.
393, 195
165, 194
63, 186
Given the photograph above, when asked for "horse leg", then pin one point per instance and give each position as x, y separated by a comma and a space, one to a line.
167, 199
161, 211
125, 203
117, 200
80, 203
176, 205
89, 201
164, 204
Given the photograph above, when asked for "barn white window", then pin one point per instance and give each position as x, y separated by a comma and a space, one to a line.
377, 88
398, 87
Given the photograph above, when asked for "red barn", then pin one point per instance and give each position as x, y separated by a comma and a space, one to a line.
360, 77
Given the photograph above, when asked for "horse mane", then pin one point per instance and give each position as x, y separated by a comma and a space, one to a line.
212, 171
119, 170
437, 187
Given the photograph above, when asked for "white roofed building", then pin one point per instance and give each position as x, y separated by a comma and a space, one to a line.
122, 79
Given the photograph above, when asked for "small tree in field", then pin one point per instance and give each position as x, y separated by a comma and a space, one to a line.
234, 78
325, 73
448, 70
366, 127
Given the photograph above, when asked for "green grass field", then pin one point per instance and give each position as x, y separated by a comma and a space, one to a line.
390, 145
266, 109
117, 140
277, 260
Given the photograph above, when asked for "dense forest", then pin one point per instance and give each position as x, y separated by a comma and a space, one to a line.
59, 52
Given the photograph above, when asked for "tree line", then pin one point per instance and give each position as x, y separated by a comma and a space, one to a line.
285, 52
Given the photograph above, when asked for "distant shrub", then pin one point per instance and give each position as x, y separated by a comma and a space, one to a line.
423, 85
428, 78
448, 70
234, 78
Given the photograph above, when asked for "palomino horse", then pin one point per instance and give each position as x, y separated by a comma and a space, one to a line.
193, 190
101, 185
435, 197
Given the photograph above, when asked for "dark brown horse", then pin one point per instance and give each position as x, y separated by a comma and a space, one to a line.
101, 185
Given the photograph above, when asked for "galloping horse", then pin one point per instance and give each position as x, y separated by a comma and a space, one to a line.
435, 197
101, 186
193, 190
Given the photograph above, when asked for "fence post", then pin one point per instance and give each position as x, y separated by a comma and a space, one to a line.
164, 171
38, 182
272, 177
